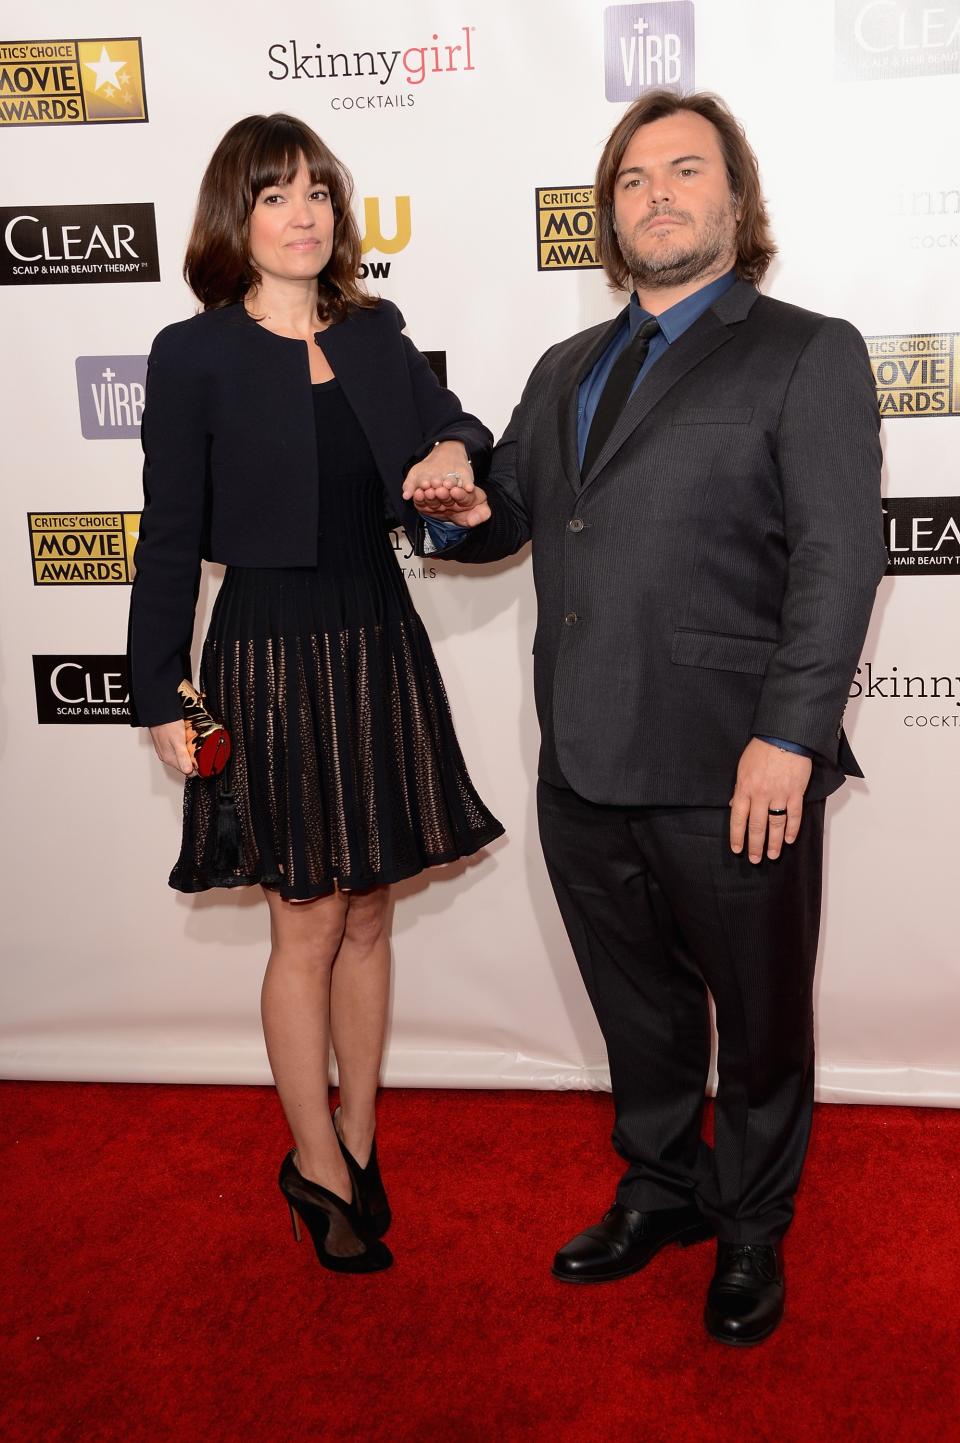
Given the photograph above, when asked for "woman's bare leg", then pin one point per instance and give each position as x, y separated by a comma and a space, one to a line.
295, 1006
359, 995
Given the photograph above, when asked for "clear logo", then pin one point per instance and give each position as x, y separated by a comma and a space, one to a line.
65, 244
81, 689
922, 535
897, 39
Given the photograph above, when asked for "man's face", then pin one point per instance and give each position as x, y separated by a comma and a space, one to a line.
674, 215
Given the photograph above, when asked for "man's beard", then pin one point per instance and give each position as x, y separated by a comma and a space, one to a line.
675, 263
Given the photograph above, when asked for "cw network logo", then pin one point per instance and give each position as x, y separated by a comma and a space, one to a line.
648, 47
374, 238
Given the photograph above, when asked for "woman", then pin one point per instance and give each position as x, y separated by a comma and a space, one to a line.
278, 426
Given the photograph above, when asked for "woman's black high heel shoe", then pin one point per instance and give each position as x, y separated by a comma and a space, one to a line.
368, 1189
343, 1242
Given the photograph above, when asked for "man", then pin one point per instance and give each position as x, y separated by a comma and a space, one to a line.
700, 479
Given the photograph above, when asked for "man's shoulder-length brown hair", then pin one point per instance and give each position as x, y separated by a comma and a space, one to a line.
754, 241
257, 152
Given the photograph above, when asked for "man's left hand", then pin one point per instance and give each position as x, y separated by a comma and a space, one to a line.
768, 780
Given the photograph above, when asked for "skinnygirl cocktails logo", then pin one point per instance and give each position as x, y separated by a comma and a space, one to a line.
374, 79
939, 692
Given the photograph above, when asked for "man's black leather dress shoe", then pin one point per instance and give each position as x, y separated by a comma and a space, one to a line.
625, 1241
745, 1298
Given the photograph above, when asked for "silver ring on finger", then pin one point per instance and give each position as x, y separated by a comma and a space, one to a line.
452, 476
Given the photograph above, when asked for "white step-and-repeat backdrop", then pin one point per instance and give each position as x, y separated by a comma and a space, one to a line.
472, 128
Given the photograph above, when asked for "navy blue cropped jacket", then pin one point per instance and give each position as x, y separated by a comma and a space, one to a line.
230, 462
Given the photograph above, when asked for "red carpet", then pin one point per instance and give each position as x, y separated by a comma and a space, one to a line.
154, 1294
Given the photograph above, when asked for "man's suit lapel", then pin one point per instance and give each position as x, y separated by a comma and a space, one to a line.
712, 330
703, 337
580, 364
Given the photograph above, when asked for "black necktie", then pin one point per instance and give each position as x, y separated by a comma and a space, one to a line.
614, 396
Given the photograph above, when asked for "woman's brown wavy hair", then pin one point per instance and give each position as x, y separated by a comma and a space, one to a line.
257, 152
754, 241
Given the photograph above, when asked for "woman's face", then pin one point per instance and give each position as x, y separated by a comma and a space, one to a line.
291, 229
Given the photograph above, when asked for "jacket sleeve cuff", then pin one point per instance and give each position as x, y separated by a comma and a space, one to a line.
785, 746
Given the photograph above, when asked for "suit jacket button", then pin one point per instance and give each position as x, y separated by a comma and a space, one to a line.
576, 524
571, 618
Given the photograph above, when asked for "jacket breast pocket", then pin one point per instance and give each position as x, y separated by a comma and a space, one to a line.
719, 651
713, 416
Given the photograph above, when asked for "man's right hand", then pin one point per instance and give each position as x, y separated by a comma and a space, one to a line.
441, 503
170, 745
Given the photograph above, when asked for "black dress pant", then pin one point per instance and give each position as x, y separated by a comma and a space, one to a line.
658, 909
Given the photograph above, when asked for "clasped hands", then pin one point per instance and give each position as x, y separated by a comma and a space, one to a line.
442, 487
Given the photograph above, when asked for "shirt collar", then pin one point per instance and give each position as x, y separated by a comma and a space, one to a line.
680, 317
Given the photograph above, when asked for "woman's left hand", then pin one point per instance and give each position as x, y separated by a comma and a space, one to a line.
442, 486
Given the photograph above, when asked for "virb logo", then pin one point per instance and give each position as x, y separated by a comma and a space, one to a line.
648, 47
111, 391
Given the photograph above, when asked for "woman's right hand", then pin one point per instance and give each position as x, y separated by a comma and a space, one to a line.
170, 745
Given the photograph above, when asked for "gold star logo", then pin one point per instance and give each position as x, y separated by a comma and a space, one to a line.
105, 69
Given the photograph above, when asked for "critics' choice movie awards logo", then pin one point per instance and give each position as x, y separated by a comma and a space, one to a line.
897, 39
647, 47
81, 689
916, 375
76, 548
396, 73
111, 392
44, 245
566, 228
922, 534
71, 82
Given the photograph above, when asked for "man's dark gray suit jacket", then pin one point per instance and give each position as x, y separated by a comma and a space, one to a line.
711, 578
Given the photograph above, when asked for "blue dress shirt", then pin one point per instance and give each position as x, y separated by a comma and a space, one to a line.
673, 323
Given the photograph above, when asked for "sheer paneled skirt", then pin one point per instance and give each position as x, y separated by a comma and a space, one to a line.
346, 770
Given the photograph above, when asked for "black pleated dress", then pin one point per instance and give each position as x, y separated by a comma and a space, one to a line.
346, 770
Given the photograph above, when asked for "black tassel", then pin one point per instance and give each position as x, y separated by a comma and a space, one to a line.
226, 840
